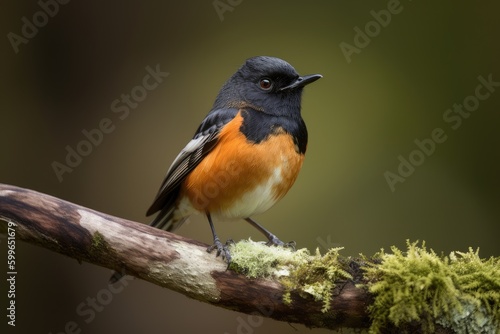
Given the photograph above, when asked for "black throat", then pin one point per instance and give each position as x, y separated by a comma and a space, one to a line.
258, 126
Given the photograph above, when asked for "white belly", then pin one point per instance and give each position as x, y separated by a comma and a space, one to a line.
255, 201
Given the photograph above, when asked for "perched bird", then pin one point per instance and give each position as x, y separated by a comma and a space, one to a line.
245, 155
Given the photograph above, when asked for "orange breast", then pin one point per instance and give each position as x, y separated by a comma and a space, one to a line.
239, 178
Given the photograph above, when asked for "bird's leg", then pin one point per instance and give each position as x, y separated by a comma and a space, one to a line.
272, 239
221, 249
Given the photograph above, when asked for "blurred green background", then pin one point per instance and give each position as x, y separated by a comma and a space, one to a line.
361, 116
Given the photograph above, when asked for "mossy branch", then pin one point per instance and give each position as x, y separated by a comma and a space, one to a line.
414, 291
168, 260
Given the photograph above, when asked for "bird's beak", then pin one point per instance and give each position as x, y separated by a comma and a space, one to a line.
302, 81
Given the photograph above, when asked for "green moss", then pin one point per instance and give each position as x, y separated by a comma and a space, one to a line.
316, 277
298, 271
256, 260
460, 291
99, 246
479, 283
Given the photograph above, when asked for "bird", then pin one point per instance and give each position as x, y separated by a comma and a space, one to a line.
245, 155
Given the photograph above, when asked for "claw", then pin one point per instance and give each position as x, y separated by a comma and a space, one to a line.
290, 244
274, 241
221, 249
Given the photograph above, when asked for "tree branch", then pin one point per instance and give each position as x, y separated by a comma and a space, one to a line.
183, 265
171, 261
460, 291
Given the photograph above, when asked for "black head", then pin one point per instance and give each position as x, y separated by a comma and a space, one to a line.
268, 84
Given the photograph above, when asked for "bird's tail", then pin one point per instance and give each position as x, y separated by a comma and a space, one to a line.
167, 220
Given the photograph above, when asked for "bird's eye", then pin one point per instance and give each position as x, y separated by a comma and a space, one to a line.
265, 84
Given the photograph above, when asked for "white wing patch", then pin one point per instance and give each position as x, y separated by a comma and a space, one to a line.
182, 163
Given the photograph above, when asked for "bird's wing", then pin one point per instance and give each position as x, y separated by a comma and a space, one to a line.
203, 142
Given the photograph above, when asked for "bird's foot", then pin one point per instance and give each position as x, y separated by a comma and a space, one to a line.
222, 249
274, 241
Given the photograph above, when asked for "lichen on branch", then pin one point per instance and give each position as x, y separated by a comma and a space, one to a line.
460, 291
404, 291
298, 271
